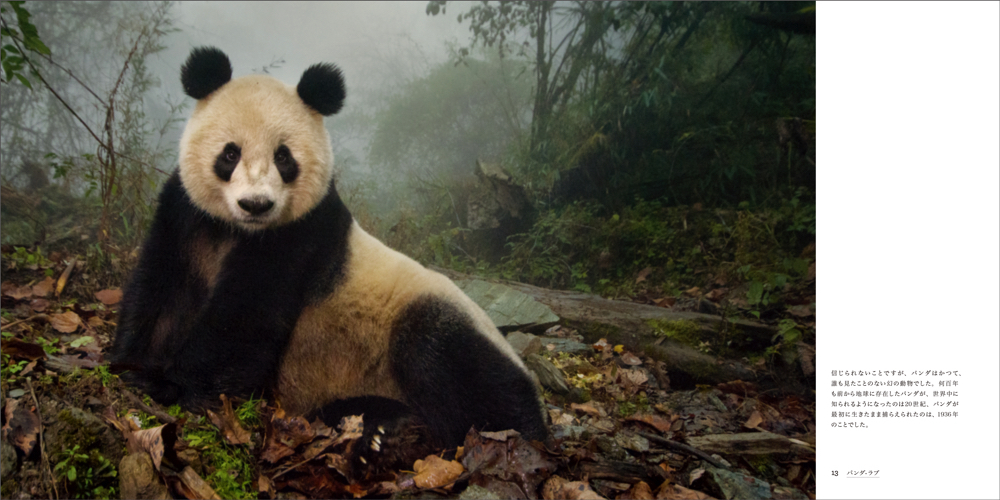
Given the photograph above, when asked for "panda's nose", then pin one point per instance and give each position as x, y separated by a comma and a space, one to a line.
255, 205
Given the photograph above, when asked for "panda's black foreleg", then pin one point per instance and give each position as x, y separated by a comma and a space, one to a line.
454, 377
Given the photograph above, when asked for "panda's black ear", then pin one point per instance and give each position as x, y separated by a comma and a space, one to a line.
322, 88
206, 69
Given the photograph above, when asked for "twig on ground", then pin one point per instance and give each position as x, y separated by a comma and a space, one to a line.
161, 415
41, 440
685, 448
37, 316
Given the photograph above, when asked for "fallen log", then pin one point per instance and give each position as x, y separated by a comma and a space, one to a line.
633, 325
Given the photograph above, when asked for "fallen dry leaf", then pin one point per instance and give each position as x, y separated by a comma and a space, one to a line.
283, 435
602, 345
669, 491
158, 441
501, 435
630, 359
515, 460
317, 481
265, 486
587, 408
642, 275
638, 491
22, 428
316, 447
66, 322
228, 424
434, 472
755, 419
665, 301
27, 368
655, 421
68, 362
632, 378
19, 349
39, 305
44, 287
559, 418
352, 425
338, 463
693, 291
21, 292
109, 297
717, 294
552, 487
559, 488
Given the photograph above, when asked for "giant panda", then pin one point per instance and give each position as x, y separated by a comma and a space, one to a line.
255, 279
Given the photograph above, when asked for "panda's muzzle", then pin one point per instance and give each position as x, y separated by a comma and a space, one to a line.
255, 205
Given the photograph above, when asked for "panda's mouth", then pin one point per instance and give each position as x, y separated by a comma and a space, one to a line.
256, 221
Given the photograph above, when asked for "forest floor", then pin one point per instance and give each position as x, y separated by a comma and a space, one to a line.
71, 429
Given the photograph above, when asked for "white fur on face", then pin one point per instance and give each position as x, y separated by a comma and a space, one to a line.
257, 113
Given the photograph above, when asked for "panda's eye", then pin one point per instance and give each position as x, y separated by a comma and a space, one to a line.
286, 164
226, 162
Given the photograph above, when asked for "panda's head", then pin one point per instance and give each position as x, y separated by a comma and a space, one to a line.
255, 152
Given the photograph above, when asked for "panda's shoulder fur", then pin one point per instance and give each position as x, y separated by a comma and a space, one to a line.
342, 343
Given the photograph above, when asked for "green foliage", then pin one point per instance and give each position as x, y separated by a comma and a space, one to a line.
22, 258
82, 158
248, 413
10, 368
687, 99
81, 341
790, 334
626, 409
86, 475
104, 375
48, 345
20, 40
146, 421
232, 466
175, 411
581, 246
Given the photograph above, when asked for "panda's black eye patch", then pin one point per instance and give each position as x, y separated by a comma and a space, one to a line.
286, 164
226, 162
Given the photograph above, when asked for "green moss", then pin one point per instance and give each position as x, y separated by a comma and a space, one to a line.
228, 469
682, 330
80, 431
760, 463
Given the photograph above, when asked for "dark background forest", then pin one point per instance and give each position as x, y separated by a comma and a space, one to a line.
620, 137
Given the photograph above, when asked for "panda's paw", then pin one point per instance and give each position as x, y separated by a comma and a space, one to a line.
393, 444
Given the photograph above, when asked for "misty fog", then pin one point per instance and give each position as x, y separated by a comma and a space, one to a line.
470, 133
